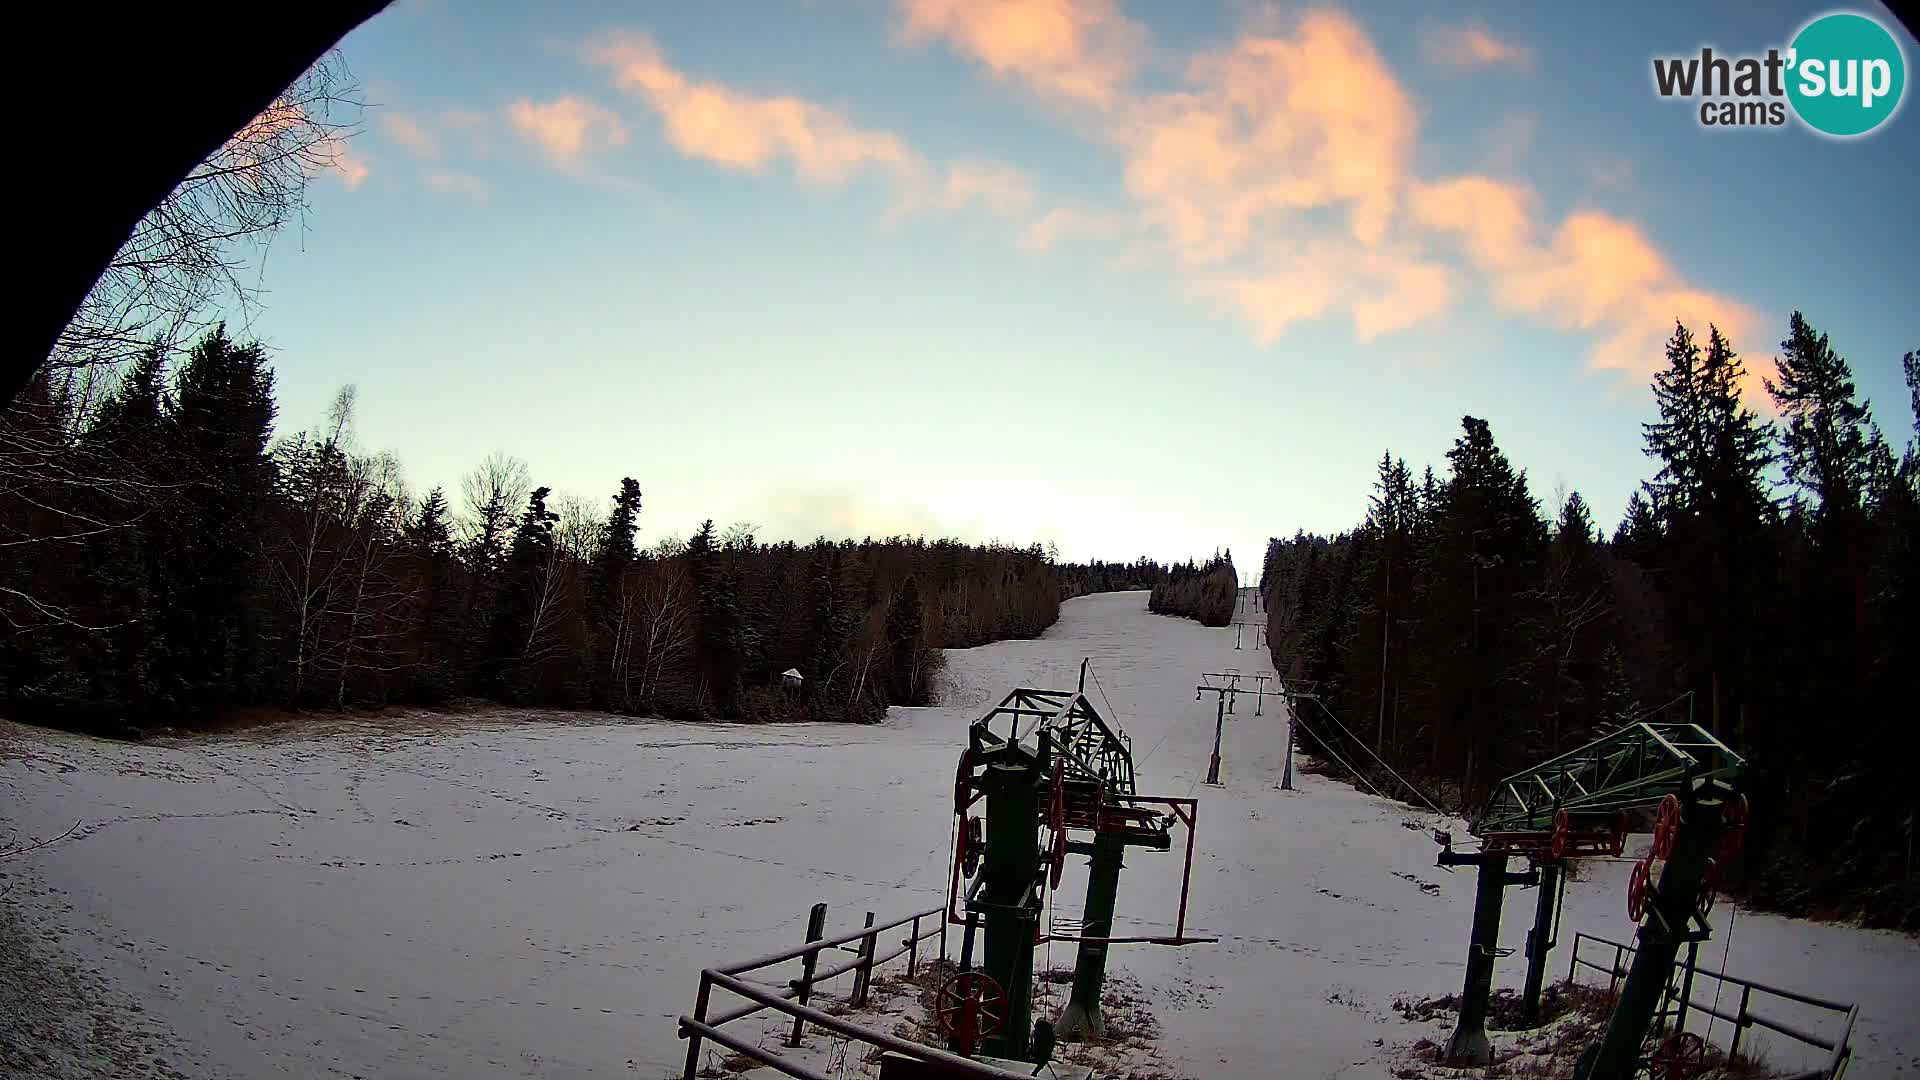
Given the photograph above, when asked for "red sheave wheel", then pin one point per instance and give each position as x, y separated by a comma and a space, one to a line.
1709, 889
971, 847
1637, 884
1562, 834
989, 1003
1734, 815
1679, 1056
1666, 826
963, 782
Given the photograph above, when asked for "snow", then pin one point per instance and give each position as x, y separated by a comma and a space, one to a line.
517, 895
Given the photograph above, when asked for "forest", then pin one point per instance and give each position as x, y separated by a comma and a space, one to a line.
1761, 583
1206, 594
172, 563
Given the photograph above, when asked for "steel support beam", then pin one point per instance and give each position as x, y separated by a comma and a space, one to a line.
1541, 940
1081, 1019
1012, 783
1468, 1045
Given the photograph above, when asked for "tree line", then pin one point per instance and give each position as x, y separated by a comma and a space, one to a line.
1762, 583
171, 563
1205, 593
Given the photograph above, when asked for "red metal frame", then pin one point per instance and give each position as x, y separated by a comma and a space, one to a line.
1186, 811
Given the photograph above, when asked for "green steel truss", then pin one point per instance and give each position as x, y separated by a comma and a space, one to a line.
1092, 749
1634, 767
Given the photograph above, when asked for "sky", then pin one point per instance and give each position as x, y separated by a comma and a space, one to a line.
1130, 278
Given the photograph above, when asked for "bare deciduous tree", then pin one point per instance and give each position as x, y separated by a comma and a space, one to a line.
190, 252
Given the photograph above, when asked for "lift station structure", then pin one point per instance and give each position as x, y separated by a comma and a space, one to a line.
1582, 804
1055, 778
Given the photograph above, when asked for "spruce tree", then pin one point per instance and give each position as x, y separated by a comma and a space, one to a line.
1828, 442
214, 610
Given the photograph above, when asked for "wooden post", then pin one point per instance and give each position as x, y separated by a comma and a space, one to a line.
816, 929
1740, 1021
693, 1037
863, 975
913, 948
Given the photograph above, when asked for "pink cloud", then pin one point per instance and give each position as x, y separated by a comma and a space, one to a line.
1279, 176
567, 129
1382, 291
741, 131
1471, 45
454, 182
1271, 127
1077, 50
1594, 273
410, 134
1049, 228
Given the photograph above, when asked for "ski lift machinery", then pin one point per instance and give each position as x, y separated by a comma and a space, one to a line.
1055, 779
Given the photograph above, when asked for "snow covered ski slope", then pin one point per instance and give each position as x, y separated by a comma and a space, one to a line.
505, 896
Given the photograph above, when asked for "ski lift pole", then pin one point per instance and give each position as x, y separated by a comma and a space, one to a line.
1219, 722
1468, 1044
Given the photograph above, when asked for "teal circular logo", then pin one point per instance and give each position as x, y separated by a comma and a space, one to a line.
1845, 74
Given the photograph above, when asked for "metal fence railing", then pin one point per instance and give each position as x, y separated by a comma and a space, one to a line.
1679, 1000
792, 996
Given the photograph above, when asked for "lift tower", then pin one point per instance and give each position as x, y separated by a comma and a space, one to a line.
1580, 805
1055, 768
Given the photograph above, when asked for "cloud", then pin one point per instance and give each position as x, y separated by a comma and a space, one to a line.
740, 131
349, 168
1382, 291
1279, 176
996, 188
1594, 273
1272, 126
284, 132
454, 182
566, 129
410, 134
1063, 221
1077, 50
1471, 45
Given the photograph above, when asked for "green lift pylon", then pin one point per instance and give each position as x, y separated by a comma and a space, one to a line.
1577, 805
1056, 767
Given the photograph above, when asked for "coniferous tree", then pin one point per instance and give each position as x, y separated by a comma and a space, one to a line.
211, 606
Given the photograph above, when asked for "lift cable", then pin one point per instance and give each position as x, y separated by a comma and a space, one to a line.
1357, 774
1416, 791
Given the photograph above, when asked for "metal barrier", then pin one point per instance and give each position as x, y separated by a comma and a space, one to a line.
1743, 1017
760, 996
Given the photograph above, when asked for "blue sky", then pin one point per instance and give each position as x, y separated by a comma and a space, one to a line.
1133, 278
